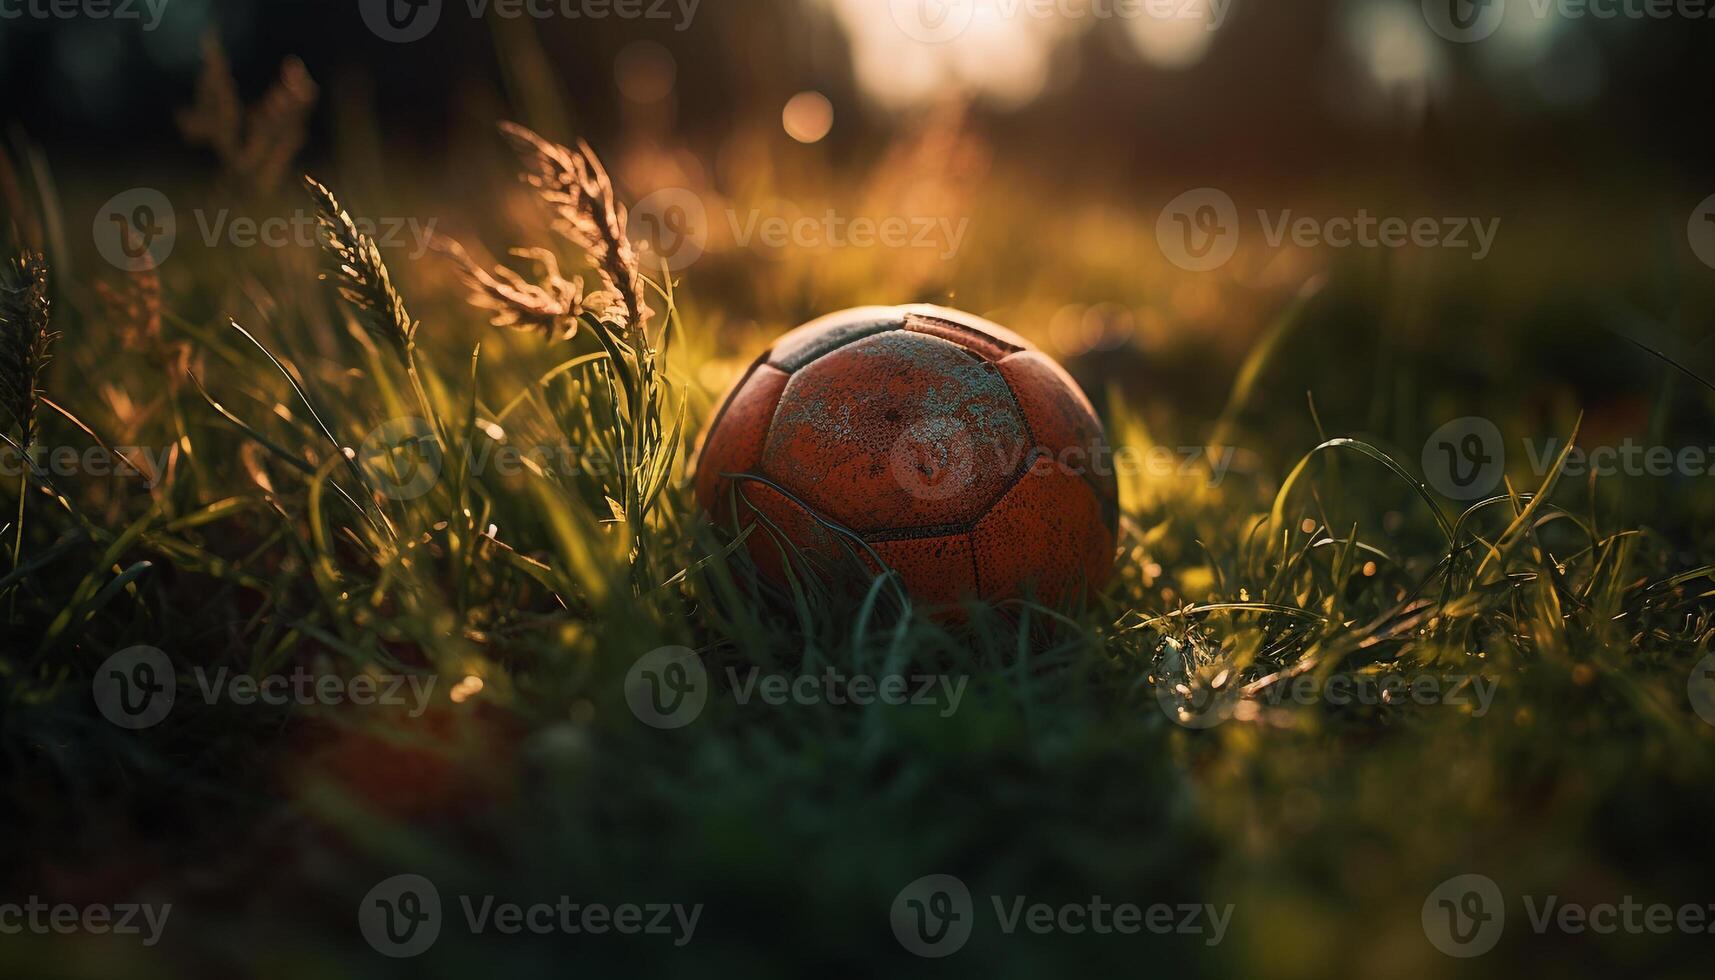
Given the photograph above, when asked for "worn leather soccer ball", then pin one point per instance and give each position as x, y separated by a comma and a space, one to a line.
935, 442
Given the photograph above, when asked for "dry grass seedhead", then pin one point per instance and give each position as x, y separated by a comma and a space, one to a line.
551, 307
133, 309
216, 118
25, 340
278, 125
256, 146
576, 186
355, 266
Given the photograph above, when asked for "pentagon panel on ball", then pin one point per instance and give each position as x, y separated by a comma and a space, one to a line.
933, 442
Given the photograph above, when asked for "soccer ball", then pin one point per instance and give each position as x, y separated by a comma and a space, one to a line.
922, 440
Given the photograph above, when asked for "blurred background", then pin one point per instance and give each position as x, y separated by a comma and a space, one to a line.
1036, 148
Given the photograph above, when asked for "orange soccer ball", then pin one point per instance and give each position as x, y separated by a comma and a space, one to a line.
934, 442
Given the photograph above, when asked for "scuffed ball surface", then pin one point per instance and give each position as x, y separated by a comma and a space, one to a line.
965, 460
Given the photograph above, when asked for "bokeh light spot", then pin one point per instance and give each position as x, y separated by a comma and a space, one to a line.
808, 117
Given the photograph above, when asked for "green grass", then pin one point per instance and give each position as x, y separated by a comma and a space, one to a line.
265, 547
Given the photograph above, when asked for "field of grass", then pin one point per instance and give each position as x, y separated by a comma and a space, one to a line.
1145, 747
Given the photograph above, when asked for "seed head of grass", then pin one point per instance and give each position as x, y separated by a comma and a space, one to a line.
550, 307
576, 186
354, 265
132, 309
256, 146
25, 341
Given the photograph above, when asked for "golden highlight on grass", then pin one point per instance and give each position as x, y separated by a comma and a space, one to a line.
622, 403
576, 186
356, 268
550, 308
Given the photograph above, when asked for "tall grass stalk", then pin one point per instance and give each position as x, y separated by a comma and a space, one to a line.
25, 347
587, 213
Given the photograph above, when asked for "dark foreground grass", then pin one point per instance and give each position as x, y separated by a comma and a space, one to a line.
1146, 748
